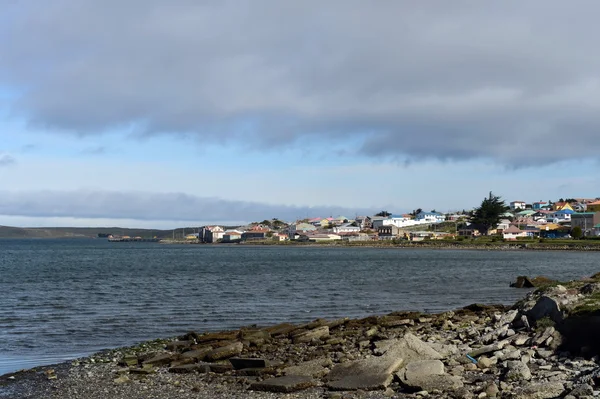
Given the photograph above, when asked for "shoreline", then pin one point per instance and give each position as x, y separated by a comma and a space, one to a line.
519, 351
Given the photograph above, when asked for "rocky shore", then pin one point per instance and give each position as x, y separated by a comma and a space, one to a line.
545, 346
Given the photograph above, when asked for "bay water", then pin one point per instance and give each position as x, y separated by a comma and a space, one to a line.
63, 299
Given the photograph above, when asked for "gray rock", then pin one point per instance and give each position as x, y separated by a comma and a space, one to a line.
433, 382
285, 384
582, 390
421, 368
367, 374
545, 307
492, 390
313, 368
225, 352
409, 348
517, 371
307, 336
540, 390
496, 346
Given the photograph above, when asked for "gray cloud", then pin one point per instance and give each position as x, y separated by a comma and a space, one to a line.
98, 150
6, 160
152, 206
517, 82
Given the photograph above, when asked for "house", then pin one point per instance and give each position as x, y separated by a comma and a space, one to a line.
503, 225
516, 205
377, 221
364, 222
429, 217
593, 206
561, 216
389, 232
318, 237
280, 237
300, 228
254, 235
513, 232
586, 221
539, 205
346, 228
553, 230
211, 234
559, 206
232, 236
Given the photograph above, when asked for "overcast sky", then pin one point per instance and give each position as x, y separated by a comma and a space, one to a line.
154, 113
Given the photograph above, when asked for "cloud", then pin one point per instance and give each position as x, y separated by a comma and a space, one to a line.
6, 160
152, 206
518, 83
98, 150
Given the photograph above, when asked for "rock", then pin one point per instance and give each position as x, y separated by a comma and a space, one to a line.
542, 337
526, 282
517, 371
309, 335
178, 345
435, 382
408, 348
589, 289
129, 360
496, 346
246, 363
582, 390
285, 384
225, 352
545, 307
220, 336
281, 329
162, 359
197, 354
367, 374
121, 380
313, 368
415, 372
540, 390
484, 362
492, 390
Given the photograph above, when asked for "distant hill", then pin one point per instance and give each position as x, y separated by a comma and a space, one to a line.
81, 232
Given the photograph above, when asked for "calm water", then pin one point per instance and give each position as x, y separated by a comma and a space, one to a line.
62, 299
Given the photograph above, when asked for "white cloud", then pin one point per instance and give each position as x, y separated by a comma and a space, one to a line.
418, 80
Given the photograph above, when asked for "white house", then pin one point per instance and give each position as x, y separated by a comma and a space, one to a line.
517, 205
430, 217
513, 232
346, 228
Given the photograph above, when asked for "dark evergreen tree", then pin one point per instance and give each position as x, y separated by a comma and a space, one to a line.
489, 213
383, 214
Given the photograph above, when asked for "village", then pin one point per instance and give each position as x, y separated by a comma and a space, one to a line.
563, 219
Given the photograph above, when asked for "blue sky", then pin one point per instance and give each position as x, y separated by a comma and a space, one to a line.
192, 113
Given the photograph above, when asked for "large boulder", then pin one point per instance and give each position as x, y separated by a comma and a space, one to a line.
526, 282
367, 374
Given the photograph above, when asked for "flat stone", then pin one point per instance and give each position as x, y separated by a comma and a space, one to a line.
421, 368
313, 368
367, 374
541, 390
408, 348
197, 354
309, 335
239, 363
281, 329
433, 382
285, 384
162, 359
496, 346
225, 352
219, 336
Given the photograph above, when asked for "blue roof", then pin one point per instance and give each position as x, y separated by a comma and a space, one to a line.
430, 213
565, 212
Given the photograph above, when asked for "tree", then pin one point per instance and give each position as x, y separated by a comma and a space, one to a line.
383, 214
488, 214
576, 232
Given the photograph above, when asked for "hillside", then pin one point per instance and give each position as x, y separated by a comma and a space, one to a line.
79, 232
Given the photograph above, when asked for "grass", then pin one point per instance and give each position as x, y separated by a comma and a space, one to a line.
590, 304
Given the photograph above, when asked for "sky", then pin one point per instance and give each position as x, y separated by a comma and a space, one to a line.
145, 113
